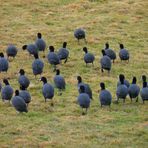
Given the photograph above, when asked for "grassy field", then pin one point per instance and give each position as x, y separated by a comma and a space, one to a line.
124, 125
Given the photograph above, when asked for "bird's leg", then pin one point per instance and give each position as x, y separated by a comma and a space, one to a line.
113, 61
17, 112
102, 70
108, 72
110, 106
131, 100
101, 105
117, 100
65, 60
78, 42
123, 100
143, 101
93, 64
128, 61
43, 54
60, 92
83, 113
52, 103
137, 99
86, 64
86, 111
54, 68
45, 100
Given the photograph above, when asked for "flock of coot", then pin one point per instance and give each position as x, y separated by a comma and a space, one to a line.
22, 97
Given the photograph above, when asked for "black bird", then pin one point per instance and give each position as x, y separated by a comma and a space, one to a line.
105, 96
31, 48
52, 57
105, 62
80, 34
11, 51
40, 42
124, 54
4, 64
86, 86
109, 52
47, 90
88, 57
7, 91
59, 81
144, 92
134, 90
25, 95
122, 90
83, 100
23, 80
37, 65
63, 53
19, 103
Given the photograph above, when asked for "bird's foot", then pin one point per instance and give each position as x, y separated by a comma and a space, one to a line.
83, 113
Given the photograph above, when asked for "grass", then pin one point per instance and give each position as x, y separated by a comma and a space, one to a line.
124, 125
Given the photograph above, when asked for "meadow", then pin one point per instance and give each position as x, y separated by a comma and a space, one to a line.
113, 21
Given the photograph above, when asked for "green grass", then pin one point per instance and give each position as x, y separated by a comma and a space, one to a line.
124, 125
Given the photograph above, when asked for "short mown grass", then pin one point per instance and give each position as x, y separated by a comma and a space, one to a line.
124, 125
